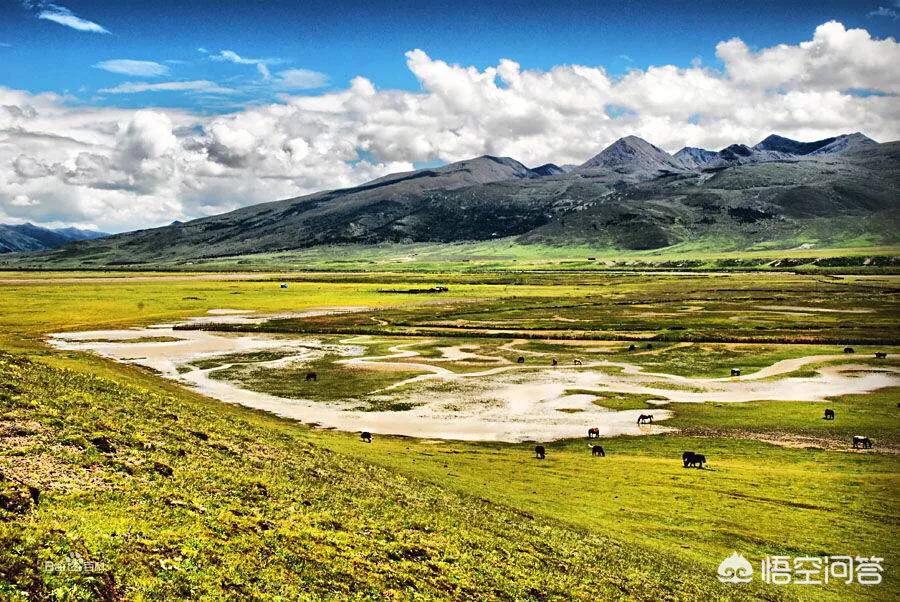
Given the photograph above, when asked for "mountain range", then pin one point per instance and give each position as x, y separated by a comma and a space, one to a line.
632, 195
28, 237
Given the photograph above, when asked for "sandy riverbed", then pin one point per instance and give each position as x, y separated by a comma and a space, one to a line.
509, 402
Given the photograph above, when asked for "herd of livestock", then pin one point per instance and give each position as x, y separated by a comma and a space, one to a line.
689, 459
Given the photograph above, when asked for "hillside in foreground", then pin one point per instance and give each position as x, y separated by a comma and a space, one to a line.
192, 500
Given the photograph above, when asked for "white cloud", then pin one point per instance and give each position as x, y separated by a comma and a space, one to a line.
132, 67
231, 56
262, 65
121, 169
29, 167
835, 59
884, 11
301, 79
200, 85
22, 200
63, 16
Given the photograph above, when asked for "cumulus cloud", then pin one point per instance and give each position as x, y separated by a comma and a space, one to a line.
835, 59
63, 16
198, 85
119, 169
134, 68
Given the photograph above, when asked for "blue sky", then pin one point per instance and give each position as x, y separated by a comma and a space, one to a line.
341, 40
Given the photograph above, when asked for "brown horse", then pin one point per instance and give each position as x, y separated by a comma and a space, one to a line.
880, 355
593, 432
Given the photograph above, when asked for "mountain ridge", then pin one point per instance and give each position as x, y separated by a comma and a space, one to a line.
632, 195
28, 237
772, 148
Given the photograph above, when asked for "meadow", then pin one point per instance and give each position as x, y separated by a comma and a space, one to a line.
860, 254
181, 496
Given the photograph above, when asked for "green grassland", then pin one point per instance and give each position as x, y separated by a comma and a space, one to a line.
732, 308
205, 500
807, 251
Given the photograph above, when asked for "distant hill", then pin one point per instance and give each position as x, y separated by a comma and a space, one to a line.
632, 195
28, 237
820, 147
694, 158
630, 159
772, 148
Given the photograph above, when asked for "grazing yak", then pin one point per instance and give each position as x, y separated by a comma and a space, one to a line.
553, 362
520, 360
829, 415
649, 346
632, 347
366, 436
539, 452
849, 350
693, 460
645, 418
880, 355
860, 441
735, 372
312, 376
593, 432
597, 450
577, 362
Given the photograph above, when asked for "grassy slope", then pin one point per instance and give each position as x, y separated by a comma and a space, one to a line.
507, 254
262, 507
448, 519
